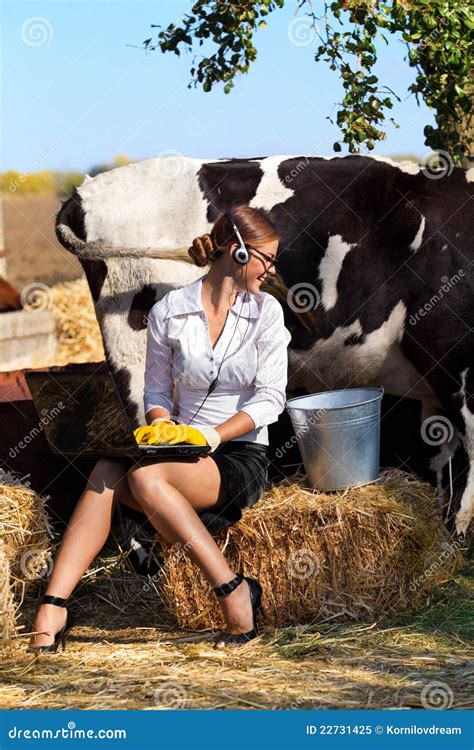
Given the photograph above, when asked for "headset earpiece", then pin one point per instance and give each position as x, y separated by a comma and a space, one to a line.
239, 254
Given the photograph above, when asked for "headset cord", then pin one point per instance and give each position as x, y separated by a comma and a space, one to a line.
213, 385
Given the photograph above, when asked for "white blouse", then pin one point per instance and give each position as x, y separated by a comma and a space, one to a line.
252, 378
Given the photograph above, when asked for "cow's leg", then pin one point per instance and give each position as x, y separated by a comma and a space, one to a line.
450, 375
466, 510
453, 465
449, 464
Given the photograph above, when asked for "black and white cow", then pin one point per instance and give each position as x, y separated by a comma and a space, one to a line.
377, 254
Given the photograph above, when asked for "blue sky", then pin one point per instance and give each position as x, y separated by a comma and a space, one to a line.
86, 93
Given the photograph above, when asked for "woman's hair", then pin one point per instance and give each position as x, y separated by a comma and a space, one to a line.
254, 225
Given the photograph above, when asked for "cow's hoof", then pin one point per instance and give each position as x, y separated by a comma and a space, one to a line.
461, 525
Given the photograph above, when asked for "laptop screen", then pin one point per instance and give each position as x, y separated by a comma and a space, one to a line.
81, 413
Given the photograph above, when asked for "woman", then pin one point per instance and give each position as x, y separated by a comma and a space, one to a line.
222, 327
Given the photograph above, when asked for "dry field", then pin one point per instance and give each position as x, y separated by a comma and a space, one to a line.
33, 252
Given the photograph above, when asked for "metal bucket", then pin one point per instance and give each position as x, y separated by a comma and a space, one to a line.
338, 434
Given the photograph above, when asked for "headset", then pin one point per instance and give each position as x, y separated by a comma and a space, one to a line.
241, 256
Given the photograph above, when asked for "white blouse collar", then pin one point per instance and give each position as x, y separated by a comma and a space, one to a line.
187, 299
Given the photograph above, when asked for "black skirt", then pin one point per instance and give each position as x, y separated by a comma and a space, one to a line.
243, 466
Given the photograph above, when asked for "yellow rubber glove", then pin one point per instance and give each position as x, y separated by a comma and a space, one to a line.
171, 419
201, 435
166, 432
211, 435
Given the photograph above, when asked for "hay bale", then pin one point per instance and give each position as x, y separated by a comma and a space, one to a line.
358, 554
77, 329
7, 607
25, 535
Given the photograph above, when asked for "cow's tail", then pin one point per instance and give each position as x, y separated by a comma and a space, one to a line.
307, 318
70, 222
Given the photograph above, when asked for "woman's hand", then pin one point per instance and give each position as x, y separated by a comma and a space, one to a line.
210, 435
199, 435
171, 420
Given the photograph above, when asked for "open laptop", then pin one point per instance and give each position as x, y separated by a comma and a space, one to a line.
82, 414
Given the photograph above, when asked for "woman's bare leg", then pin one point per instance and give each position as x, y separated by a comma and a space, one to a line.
86, 534
171, 493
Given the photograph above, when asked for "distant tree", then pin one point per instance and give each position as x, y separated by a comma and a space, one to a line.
438, 35
28, 182
67, 181
119, 161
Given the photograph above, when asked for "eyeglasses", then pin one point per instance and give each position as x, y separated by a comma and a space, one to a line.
271, 261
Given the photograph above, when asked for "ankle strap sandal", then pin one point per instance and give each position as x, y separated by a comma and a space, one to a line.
61, 636
228, 588
48, 599
255, 591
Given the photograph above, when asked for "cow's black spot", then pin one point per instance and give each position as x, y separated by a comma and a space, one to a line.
77, 217
122, 380
469, 393
96, 273
225, 183
141, 305
354, 338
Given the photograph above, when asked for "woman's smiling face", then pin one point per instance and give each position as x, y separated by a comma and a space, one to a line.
260, 265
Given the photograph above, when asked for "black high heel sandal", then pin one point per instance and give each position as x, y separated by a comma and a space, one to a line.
60, 636
255, 598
